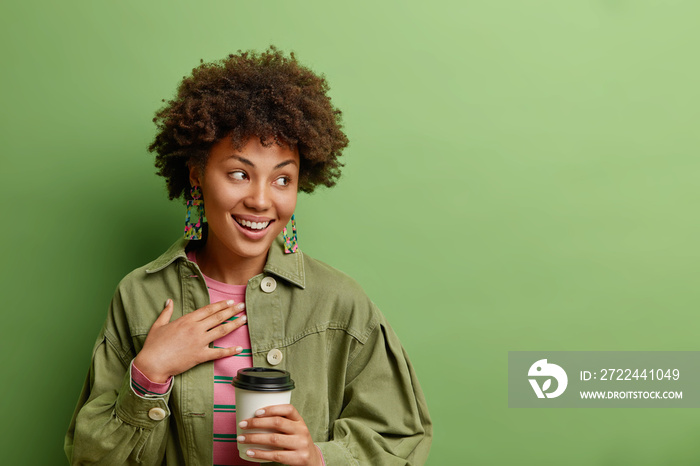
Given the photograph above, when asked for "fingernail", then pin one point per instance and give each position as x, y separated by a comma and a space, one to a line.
239, 349
250, 453
241, 438
243, 318
230, 302
240, 306
167, 302
243, 424
260, 412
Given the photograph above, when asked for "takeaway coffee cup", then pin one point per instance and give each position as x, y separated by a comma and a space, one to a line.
258, 387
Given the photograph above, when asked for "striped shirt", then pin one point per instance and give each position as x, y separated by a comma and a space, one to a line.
225, 446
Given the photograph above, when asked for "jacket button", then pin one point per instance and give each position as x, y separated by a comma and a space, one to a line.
157, 414
268, 284
274, 357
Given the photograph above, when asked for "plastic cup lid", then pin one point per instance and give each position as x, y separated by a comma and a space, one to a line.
262, 379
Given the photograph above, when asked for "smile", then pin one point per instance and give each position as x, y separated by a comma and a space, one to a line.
252, 225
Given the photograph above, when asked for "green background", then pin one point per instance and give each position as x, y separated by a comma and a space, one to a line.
522, 175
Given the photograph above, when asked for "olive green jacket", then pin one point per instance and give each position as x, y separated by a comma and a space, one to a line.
355, 387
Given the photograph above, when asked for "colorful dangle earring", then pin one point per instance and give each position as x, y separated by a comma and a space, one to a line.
290, 244
195, 214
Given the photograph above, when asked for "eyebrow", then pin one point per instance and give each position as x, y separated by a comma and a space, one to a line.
249, 163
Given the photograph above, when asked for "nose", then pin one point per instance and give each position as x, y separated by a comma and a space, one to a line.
258, 197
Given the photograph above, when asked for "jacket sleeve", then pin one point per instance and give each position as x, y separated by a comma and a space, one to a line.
385, 418
112, 424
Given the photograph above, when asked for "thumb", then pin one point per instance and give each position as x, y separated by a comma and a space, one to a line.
165, 314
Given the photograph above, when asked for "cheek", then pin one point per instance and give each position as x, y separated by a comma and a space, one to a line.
221, 199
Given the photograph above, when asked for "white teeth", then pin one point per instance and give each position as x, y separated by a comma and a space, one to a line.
253, 225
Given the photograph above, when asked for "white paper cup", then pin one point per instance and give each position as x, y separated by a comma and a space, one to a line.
256, 388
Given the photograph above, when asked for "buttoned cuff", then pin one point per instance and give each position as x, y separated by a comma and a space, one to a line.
141, 411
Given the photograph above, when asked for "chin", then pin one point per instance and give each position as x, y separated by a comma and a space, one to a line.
253, 250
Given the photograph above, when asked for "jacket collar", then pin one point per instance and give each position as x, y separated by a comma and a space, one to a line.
287, 266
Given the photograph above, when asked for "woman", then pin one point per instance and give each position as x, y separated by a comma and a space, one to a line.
240, 139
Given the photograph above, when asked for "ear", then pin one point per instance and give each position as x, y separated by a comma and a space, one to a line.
195, 174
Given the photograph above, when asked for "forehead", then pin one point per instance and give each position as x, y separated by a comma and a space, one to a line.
254, 151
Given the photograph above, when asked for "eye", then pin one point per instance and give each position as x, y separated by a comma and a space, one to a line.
238, 175
283, 181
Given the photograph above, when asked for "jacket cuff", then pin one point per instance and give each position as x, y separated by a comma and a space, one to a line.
143, 386
142, 411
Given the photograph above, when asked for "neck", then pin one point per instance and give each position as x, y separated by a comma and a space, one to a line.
219, 263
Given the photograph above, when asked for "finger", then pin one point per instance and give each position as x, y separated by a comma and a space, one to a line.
226, 328
220, 352
274, 440
276, 423
165, 314
290, 457
222, 316
286, 410
210, 309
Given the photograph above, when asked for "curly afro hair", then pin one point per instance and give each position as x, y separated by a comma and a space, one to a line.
249, 94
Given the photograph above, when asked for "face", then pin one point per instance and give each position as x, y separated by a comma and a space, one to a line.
249, 196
